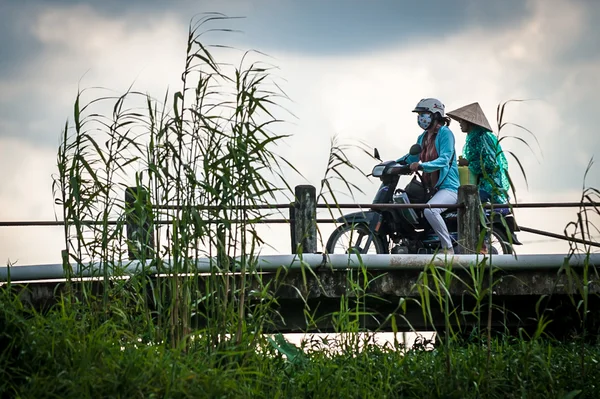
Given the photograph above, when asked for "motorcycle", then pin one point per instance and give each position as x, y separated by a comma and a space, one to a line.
406, 230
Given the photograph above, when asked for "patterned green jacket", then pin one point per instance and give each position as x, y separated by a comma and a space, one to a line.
488, 163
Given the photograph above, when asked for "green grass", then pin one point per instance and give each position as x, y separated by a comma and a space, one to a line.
66, 353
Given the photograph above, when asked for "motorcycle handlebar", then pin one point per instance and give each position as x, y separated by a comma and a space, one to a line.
400, 168
406, 166
403, 169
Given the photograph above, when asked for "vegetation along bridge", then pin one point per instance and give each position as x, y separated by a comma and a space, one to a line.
386, 292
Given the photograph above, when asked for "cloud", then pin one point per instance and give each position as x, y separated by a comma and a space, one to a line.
80, 44
370, 98
26, 194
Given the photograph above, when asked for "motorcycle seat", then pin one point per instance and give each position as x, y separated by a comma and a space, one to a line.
453, 213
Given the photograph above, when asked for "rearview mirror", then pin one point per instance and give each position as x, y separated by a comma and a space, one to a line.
376, 154
415, 149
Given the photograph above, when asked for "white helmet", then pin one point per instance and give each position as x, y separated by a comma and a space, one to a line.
432, 105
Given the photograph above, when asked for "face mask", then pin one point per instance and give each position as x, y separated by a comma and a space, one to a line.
424, 121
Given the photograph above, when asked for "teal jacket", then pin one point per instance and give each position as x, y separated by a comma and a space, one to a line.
445, 162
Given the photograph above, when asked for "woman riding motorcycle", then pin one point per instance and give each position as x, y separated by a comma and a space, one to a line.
437, 159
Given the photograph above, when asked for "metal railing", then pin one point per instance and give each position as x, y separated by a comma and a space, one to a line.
60, 223
309, 207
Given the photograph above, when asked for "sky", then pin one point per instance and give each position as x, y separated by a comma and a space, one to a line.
352, 69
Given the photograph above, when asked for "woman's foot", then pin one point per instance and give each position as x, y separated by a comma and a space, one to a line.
484, 250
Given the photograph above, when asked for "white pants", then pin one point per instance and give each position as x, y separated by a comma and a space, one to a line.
434, 217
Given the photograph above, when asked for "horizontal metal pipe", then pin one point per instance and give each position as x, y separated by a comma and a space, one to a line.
335, 206
39, 223
546, 205
456, 206
222, 207
559, 237
43, 223
336, 261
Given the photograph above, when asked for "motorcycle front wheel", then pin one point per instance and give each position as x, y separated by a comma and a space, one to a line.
499, 242
354, 238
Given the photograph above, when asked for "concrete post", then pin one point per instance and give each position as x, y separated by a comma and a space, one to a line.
468, 219
303, 218
138, 220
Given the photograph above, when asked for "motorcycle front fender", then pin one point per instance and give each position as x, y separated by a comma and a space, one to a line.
370, 218
514, 239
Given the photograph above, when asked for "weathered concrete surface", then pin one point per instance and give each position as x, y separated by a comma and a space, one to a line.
402, 283
516, 295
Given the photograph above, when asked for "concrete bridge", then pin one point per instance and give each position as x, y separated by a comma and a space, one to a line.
523, 288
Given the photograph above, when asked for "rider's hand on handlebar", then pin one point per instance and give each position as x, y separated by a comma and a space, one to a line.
415, 166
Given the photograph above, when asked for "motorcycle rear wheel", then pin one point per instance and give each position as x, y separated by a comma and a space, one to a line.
358, 235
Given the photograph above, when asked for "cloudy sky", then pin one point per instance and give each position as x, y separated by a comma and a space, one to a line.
352, 68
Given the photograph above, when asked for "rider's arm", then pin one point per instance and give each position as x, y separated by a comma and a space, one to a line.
408, 159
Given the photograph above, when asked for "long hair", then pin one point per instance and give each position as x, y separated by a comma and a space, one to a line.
442, 120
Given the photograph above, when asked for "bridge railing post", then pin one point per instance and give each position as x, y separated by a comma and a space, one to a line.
468, 218
303, 220
139, 225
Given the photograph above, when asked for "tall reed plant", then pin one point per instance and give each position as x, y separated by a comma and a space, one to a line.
193, 166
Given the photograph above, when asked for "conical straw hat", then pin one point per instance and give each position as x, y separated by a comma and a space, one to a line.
471, 113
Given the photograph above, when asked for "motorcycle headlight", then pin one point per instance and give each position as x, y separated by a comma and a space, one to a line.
378, 170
